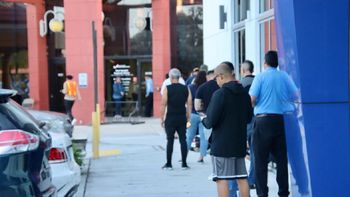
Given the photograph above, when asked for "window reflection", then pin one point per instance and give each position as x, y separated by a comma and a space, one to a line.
127, 29
265, 5
13, 48
241, 7
189, 31
267, 38
240, 54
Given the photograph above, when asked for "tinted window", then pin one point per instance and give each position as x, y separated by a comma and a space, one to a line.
12, 116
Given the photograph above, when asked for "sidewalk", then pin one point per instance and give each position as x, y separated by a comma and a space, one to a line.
136, 170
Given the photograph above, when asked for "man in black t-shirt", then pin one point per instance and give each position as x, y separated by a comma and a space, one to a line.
205, 91
203, 97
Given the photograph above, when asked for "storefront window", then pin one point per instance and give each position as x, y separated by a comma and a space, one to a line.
265, 5
13, 48
239, 50
140, 31
127, 29
268, 39
241, 7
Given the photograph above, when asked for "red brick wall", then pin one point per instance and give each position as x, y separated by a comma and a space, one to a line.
37, 57
79, 15
162, 43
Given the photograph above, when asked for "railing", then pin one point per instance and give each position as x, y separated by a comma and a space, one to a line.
130, 112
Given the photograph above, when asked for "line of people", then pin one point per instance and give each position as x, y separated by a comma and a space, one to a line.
221, 108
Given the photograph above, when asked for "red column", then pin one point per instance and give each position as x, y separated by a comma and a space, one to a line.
79, 15
37, 57
161, 41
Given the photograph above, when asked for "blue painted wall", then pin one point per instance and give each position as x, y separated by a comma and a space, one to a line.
313, 45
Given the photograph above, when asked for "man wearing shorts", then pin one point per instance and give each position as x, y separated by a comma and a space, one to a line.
228, 113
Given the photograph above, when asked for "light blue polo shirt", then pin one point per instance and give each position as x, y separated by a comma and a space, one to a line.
274, 91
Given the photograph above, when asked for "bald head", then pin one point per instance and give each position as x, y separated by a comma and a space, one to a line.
224, 69
223, 73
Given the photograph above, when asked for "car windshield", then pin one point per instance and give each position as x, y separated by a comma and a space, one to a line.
12, 116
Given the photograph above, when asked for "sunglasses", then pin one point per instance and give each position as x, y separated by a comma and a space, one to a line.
215, 78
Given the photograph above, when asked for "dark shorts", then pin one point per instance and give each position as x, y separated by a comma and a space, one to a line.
228, 168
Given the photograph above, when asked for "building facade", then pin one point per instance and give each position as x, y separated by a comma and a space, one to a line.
312, 39
143, 36
242, 30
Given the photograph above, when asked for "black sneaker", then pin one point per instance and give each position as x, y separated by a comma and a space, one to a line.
185, 166
167, 167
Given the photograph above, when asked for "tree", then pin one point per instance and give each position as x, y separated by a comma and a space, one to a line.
190, 39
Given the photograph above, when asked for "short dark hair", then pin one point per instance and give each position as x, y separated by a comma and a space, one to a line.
250, 65
230, 65
271, 59
70, 77
210, 72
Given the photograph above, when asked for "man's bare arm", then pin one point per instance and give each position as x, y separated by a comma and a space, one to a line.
189, 105
253, 100
163, 105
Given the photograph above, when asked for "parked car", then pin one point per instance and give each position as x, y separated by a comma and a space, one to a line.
65, 171
54, 118
24, 152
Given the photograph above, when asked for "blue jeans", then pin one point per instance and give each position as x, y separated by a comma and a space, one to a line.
233, 187
118, 106
191, 132
250, 131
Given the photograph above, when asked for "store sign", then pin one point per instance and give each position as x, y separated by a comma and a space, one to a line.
123, 71
83, 80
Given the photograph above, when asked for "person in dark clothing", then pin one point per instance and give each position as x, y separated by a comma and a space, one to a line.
228, 113
203, 97
247, 69
191, 78
118, 94
178, 101
205, 92
195, 119
149, 96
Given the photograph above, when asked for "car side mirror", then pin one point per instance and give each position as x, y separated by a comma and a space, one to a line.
42, 124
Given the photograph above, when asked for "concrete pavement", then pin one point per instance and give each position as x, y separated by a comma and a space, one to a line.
136, 170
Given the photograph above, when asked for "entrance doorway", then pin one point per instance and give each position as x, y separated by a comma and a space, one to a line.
57, 73
132, 71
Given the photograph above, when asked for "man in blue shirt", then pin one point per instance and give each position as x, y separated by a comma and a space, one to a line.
272, 93
118, 94
149, 96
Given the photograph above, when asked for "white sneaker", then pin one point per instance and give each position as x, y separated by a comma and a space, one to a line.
74, 121
117, 116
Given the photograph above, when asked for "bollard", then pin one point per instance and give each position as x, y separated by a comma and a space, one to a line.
96, 132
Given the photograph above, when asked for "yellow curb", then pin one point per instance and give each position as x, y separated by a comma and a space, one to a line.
106, 153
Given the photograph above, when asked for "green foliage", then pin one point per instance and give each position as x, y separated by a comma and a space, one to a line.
78, 156
189, 39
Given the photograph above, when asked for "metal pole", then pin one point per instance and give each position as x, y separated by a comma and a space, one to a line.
94, 44
96, 113
139, 75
